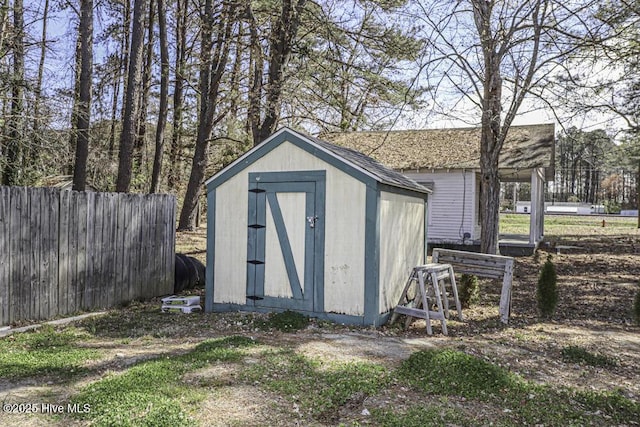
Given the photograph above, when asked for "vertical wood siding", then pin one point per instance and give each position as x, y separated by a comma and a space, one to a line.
65, 251
401, 244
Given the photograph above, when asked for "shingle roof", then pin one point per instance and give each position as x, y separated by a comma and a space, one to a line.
384, 174
526, 147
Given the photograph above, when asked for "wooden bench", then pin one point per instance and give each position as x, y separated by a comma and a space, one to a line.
482, 265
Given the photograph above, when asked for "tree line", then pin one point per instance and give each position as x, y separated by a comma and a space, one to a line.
156, 95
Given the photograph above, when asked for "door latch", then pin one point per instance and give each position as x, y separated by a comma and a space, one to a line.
312, 221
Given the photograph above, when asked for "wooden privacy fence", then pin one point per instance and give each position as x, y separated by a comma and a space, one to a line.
65, 251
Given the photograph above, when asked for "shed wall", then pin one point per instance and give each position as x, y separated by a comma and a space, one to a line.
401, 244
452, 206
344, 231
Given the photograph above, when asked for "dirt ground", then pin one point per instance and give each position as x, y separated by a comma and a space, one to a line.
598, 277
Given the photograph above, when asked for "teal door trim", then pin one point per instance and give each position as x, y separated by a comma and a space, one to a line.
263, 188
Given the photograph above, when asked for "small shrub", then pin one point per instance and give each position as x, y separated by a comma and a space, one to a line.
575, 354
636, 307
287, 321
469, 290
547, 291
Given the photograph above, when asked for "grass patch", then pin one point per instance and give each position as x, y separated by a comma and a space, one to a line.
420, 416
287, 321
453, 373
319, 390
575, 354
136, 321
565, 225
44, 352
152, 393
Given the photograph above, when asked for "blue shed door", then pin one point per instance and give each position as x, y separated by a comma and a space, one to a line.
284, 245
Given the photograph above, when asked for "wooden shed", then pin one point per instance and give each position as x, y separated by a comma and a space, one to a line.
301, 224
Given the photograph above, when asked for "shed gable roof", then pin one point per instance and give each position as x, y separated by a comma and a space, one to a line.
526, 147
337, 155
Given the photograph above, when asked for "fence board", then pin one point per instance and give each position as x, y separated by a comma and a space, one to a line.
65, 251
5, 253
120, 281
81, 262
23, 279
110, 252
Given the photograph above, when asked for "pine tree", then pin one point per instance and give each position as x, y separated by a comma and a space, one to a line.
547, 292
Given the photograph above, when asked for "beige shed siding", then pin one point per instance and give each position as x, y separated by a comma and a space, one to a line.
450, 191
344, 231
401, 244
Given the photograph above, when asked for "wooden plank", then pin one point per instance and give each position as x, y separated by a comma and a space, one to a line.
39, 229
165, 224
89, 244
53, 256
505, 295
112, 216
97, 249
13, 290
119, 296
171, 244
144, 245
130, 258
439, 252
5, 254
82, 255
157, 236
64, 208
49, 254
24, 257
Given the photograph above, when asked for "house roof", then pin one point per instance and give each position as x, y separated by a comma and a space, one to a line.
343, 157
526, 147
382, 173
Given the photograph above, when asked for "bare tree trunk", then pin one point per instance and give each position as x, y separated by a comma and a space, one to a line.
126, 49
180, 67
34, 150
83, 108
4, 15
11, 175
120, 77
212, 70
491, 138
164, 98
146, 88
283, 37
128, 135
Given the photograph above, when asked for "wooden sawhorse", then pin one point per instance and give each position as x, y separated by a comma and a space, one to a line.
420, 303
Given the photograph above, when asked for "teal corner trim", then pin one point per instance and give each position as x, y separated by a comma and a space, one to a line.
426, 229
318, 272
211, 241
372, 256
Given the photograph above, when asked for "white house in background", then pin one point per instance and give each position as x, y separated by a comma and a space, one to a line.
447, 161
569, 208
